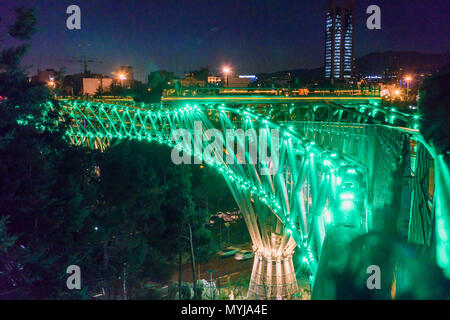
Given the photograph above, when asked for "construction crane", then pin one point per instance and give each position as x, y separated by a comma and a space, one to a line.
84, 61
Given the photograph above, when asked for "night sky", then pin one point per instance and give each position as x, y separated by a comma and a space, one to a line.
250, 35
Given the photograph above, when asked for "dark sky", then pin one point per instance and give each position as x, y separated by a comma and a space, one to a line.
250, 35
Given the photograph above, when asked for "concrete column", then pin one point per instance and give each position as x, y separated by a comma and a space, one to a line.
273, 277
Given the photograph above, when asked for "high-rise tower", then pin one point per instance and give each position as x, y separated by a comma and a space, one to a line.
339, 40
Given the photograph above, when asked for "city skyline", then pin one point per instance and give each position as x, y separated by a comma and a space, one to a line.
339, 59
250, 37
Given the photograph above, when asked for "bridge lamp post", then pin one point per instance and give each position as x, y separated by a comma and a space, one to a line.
408, 79
122, 78
226, 71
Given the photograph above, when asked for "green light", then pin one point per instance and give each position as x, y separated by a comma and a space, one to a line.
442, 233
155, 123
347, 205
327, 215
347, 196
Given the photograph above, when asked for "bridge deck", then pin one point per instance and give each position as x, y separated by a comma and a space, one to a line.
267, 99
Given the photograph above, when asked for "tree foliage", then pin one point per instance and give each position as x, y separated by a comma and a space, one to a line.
25, 25
122, 216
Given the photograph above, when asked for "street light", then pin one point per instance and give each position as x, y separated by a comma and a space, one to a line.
122, 77
408, 79
51, 82
226, 70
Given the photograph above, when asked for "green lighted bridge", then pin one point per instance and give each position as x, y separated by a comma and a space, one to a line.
334, 167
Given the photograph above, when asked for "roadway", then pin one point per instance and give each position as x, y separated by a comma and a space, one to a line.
268, 99
225, 268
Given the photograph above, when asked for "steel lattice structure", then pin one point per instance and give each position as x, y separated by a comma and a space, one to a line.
291, 207
326, 171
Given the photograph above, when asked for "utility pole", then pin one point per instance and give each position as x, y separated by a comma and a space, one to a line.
180, 270
84, 61
220, 257
124, 283
211, 293
193, 262
227, 225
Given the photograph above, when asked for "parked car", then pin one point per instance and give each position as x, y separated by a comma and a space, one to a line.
244, 255
229, 216
227, 252
214, 219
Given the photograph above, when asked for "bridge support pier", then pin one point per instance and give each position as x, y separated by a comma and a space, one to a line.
273, 277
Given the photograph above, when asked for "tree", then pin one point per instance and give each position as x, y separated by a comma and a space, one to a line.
126, 210
43, 206
144, 213
25, 25
157, 82
210, 190
116, 90
128, 214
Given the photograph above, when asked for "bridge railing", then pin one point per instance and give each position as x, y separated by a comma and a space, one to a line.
217, 91
380, 148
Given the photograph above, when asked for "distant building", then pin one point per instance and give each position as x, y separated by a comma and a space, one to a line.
339, 64
92, 85
197, 78
201, 74
192, 82
275, 80
251, 77
392, 74
236, 82
44, 76
214, 80
373, 79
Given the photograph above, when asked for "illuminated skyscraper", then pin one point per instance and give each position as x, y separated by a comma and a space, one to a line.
339, 40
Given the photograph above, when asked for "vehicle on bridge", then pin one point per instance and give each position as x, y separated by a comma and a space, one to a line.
244, 255
351, 193
228, 252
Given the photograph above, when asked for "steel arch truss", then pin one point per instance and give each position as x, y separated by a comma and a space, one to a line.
291, 207
329, 111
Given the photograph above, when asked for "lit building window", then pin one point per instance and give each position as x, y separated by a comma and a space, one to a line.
339, 39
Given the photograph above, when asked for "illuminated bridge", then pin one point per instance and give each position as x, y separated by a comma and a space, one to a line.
334, 162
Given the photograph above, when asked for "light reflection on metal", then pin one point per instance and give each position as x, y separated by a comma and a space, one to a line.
277, 221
